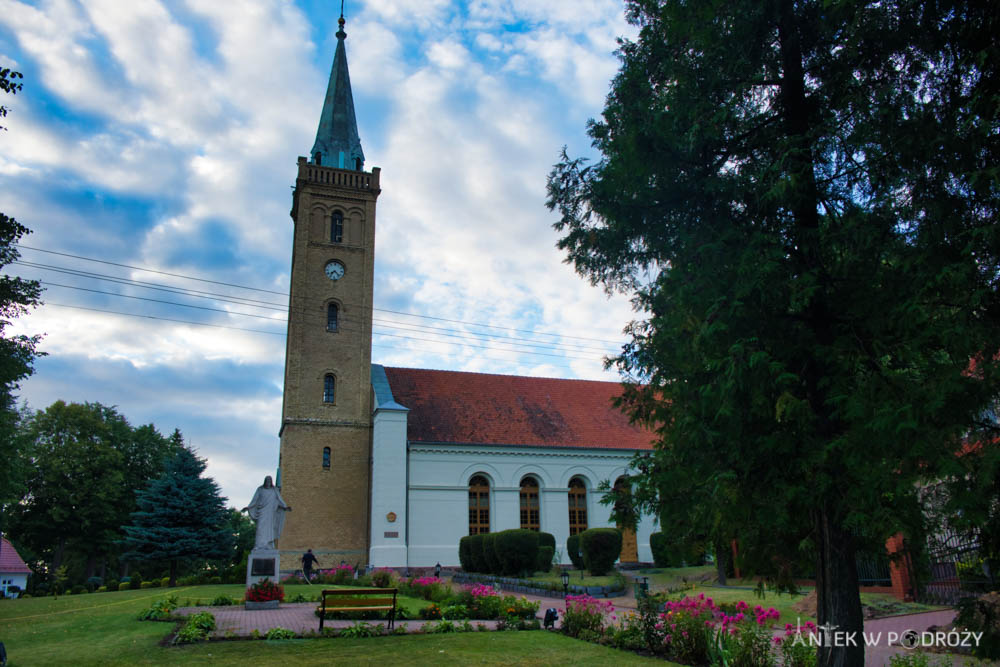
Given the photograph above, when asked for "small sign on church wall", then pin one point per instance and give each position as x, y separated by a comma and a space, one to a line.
391, 533
391, 517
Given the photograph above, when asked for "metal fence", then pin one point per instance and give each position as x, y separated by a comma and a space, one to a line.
957, 569
873, 569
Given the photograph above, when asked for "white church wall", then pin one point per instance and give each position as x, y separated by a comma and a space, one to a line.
388, 510
438, 493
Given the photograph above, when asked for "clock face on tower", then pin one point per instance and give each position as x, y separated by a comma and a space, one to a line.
334, 270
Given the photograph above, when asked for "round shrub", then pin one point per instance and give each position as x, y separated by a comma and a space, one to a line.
382, 578
146, 584
476, 556
164, 582
661, 550
465, 553
112, 585
573, 549
215, 581
77, 589
93, 583
545, 555
547, 540
601, 548
135, 582
124, 586
101, 589
490, 555
517, 550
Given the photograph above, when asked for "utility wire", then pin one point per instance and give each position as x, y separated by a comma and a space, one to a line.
404, 326
258, 289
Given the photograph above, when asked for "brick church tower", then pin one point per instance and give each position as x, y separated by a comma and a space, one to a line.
323, 466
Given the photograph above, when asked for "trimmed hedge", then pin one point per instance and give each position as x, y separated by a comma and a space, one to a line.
545, 555
601, 548
573, 548
476, 556
547, 540
490, 556
465, 553
517, 551
661, 550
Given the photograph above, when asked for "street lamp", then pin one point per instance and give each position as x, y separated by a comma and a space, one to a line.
565, 582
437, 570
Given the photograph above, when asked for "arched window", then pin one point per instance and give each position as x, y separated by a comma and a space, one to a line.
577, 506
479, 505
529, 504
332, 313
329, 387
326, 458
337, 227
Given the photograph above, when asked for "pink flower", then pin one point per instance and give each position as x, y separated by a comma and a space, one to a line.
777, 641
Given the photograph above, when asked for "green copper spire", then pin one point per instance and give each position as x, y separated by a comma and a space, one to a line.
337, 141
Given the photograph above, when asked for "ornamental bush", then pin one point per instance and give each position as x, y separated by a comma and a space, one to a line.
465, 553
517, 551
661, 550
476, 557
490, 555
165, 582
265, 590
135, 581
547, 540
545, 555
573, 549
124, 586
601, 548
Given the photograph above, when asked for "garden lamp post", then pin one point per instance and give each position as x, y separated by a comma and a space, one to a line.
565, 583
437, 570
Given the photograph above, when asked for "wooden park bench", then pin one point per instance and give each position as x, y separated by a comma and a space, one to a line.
357, 600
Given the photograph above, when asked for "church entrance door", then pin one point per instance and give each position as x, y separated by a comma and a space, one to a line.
630, 548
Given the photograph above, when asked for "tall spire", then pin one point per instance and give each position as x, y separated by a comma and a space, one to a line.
337, 141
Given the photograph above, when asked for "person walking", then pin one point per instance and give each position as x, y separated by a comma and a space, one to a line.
307, 564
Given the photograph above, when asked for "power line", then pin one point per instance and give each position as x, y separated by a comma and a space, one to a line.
277, 333
401, 326
258, 289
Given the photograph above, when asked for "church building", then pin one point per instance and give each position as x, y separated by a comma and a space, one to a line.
392, 466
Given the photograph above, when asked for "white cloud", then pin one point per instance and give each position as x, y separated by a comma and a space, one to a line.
199, 112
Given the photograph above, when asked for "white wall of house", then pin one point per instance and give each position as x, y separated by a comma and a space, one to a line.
438, 487
8, 580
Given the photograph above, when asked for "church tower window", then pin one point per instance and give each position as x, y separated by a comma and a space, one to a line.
479, 505
329, 388
530, 517
577, 506
326, 458
332, 314
337, 227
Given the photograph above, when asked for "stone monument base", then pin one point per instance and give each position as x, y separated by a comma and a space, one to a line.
260, 606
262, 564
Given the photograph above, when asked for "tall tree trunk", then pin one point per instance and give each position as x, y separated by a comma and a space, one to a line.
173, 572
58, 554
838, 604
104, 569
124, 569
721, 561
91, 566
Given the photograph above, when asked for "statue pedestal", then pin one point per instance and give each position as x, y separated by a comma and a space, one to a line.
262, 564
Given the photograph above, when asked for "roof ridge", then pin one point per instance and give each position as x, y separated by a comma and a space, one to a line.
504, 375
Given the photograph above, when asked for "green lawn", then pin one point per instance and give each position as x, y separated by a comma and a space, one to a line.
101, 629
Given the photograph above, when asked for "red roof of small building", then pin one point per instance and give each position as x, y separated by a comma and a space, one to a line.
476, 408
10, 561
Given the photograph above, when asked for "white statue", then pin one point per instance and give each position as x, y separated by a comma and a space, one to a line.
267, 509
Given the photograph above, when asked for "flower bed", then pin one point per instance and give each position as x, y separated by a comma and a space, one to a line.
693, 631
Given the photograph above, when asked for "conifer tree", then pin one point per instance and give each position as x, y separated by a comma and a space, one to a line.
802, 199
180, 516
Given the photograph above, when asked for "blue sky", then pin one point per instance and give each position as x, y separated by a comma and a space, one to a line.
164, 135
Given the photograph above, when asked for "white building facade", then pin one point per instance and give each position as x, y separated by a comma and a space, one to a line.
421, 489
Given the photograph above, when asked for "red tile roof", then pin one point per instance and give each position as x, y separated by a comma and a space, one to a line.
10, 562
455, 407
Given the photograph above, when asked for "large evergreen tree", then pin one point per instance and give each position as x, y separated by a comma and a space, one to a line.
180, 516
802, 198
